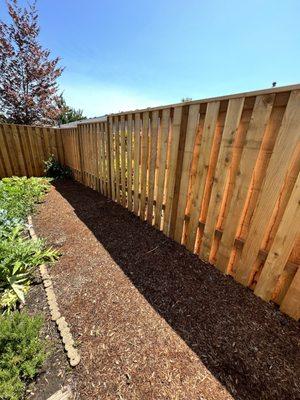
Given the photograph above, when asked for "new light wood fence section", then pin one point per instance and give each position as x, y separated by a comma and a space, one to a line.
23, 149
219, 176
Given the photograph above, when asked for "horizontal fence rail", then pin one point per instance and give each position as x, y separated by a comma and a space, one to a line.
220, 176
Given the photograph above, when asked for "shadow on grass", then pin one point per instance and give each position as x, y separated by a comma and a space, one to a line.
248, 345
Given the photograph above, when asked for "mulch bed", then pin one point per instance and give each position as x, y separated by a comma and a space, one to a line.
153, 321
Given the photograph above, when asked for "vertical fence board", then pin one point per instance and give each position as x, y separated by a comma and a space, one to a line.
174, 153
281, 247
123, 161
291, 301
4, 150
117, 159
137, 128
129, 160
144, 163
259, 119
162, 160
186, 167
197, 194
24, 140
232, 121
152, 164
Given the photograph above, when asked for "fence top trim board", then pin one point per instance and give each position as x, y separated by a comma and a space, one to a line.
279, 89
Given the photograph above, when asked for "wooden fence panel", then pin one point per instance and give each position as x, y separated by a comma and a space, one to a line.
288, 138
218, 188
23, 149
220, 176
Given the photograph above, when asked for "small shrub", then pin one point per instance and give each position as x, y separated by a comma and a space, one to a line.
19, 256
53, 169
22, 353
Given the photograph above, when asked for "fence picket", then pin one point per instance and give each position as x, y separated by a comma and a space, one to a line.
185, 173
129, 161
137, 139
208, 135
152, 165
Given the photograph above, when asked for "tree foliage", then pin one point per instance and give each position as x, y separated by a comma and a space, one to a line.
185, 99
68, 114
28, 75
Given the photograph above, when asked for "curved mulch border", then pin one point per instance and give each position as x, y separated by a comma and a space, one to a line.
62, 325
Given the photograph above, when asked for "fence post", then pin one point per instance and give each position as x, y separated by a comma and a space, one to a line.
181, 146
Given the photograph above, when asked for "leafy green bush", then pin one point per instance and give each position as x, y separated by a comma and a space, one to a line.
22, 353
53, 169
19, 256
7, 225
19, 195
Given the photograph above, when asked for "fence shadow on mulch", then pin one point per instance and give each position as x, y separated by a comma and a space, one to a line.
249, 346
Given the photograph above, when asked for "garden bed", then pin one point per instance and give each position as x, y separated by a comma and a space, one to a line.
56, 371
154, 322
24, 344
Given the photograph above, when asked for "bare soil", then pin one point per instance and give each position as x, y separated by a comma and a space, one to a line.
153, 321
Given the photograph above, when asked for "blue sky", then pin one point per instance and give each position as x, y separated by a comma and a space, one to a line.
122, 55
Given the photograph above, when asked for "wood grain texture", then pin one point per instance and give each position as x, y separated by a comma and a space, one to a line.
144, 163
258, 123
282, 246
152, 164
197, 191
136, 180
186, 167
174, 147
129, 161
287, 140
234, 112
162, 160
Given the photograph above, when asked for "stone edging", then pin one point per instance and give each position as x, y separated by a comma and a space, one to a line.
62, 325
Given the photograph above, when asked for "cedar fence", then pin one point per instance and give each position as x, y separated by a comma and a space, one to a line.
220, 176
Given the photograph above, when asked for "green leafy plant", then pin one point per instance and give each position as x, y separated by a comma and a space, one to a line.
53, 169
22, 353
19, 195
19, 256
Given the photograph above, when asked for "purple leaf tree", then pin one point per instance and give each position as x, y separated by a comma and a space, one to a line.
28, 76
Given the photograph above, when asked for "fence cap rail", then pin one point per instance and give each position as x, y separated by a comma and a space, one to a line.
278, 89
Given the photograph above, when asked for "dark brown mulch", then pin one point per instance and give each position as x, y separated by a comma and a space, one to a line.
153, 321
55, 372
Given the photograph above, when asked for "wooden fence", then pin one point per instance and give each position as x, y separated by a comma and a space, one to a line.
221, 176
23, 149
